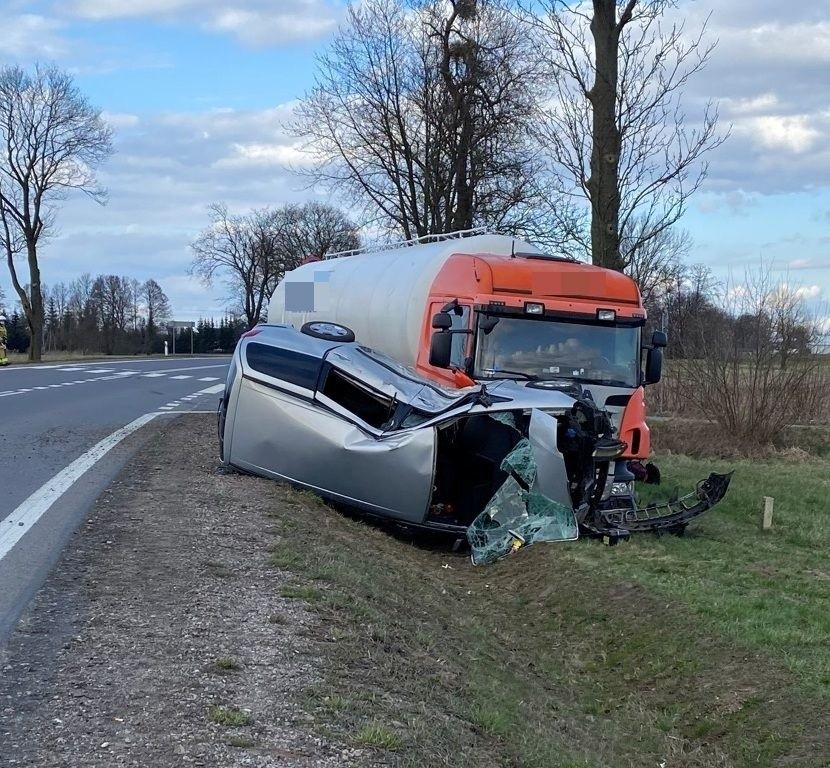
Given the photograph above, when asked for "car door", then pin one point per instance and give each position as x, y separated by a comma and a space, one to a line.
282, 431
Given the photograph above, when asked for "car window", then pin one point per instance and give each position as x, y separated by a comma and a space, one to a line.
371, 407
285, 364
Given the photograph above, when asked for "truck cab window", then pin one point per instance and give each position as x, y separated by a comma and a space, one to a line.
460, 341
553, 349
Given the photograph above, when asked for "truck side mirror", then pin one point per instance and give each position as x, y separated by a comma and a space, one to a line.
659, 339
442, 321
440, 348
654, 365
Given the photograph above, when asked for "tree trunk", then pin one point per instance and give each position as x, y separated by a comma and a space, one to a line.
603, 185
34, 317
463, 218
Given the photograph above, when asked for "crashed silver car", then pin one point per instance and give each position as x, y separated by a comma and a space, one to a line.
507, 463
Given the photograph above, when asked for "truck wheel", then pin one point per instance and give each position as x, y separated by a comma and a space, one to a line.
328, 331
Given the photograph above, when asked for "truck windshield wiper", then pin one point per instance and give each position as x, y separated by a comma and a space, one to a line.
521, 374
605, 382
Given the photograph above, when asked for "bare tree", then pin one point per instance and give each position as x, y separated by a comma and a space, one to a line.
241, 249
113, 299
613, 128
252, 252
741, 379
659, 265
51, 140
313, 229
420, 112
157, 306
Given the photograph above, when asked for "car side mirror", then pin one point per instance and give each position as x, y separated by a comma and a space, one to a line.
440, 348
442, 321
659, 339
654, 365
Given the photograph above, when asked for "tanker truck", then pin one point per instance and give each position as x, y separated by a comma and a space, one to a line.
489, 307
540, 352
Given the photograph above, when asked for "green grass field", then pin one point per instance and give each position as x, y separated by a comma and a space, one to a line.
707, 650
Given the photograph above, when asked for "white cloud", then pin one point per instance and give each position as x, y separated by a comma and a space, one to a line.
263, 155
255, 23
119, 9
768, 74
161, 180
762, 103
120, 120
32, 35
267, 27
800, 264
808, 291
790, 133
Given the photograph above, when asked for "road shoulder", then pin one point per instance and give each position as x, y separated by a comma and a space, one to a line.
161, 637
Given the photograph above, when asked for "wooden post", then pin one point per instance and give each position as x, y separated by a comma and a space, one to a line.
766, 512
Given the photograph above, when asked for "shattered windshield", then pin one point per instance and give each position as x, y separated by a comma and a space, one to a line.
555, 349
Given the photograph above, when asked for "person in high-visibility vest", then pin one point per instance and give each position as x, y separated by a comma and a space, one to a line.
3, 335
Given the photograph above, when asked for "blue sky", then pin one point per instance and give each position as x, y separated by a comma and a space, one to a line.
198, 91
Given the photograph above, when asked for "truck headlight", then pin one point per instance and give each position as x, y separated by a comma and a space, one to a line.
532, 308
609, 315
622, 489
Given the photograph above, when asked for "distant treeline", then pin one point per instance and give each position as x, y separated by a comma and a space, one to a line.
210, 337
115, 315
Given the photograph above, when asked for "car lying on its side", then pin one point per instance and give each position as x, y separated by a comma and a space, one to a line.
315, 408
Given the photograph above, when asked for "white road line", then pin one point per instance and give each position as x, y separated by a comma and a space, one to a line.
189, 368
214, 390
210, 378
179, 378
20, 521
152, 375
165, 407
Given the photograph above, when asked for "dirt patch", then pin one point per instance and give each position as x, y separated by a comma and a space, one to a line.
162, 639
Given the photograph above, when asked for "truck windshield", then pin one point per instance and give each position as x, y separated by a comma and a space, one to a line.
518, 347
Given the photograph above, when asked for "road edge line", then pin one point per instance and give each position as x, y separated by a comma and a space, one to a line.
15, 525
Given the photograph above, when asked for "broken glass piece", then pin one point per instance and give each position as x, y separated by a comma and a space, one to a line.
516, 516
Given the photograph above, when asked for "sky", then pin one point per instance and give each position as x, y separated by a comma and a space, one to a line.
198, 93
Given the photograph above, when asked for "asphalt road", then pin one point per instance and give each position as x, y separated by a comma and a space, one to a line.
51, 415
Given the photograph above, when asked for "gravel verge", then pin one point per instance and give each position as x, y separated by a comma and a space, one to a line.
161, 638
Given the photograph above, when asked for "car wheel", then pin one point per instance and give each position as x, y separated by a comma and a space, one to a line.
328, 331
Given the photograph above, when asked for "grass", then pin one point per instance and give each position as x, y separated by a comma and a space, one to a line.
227, 664
301, 592
769, 591
379, 736
707, 650
229, 716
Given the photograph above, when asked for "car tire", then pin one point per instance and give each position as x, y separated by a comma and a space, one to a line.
221, 418
328, 331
